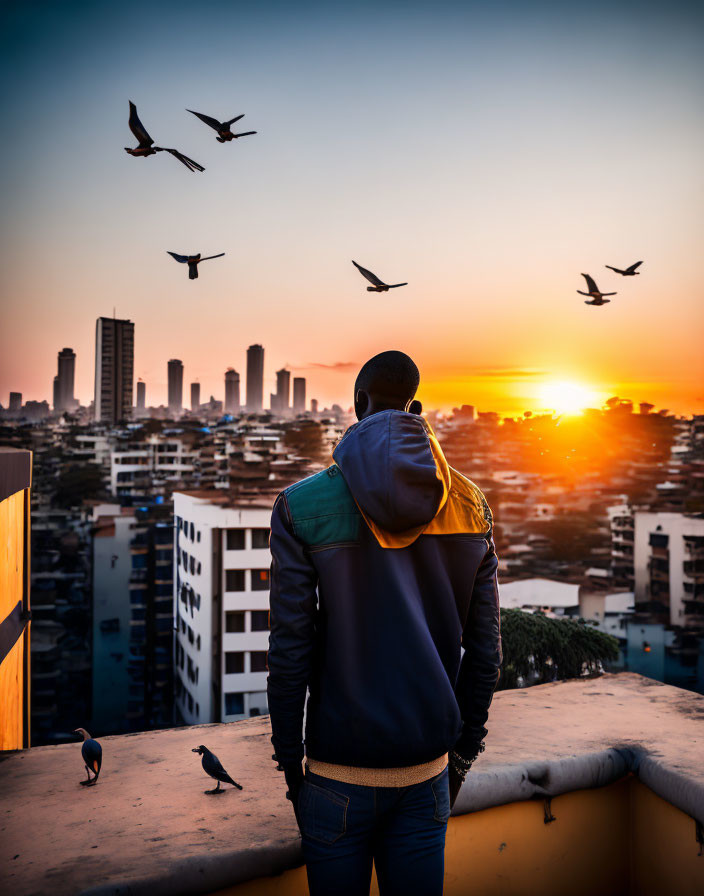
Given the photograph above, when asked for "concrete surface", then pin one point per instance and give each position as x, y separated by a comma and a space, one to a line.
148, 828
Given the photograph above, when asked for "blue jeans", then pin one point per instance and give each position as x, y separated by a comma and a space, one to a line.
401, 829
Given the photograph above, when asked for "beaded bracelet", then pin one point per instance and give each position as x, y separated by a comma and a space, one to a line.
460, 764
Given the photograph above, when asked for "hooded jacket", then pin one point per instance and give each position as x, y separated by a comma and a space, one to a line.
383, 568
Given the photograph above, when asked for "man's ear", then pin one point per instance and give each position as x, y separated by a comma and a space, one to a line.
415, 407
361, 403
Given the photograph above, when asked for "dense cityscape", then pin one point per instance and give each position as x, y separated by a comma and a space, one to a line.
150, 559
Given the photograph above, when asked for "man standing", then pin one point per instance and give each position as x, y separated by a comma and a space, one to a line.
383, 569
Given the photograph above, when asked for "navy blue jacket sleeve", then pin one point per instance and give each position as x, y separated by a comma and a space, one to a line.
481, 639
293, 607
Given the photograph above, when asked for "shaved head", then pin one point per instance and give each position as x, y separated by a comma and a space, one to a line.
388, 380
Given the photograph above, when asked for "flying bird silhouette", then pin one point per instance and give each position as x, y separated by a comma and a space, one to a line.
212, 766
146, 144
92, 754
193, 261
379, 285
222, 127
629, 272
597, 297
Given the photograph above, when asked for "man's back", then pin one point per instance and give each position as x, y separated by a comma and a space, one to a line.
399, 548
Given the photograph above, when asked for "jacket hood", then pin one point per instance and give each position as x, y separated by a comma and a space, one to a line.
397, 474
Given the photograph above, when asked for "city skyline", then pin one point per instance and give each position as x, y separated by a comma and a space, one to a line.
552, 395
452, 148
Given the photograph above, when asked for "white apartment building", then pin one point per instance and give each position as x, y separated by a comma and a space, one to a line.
221, 605
662, 554
150, 464
668, 563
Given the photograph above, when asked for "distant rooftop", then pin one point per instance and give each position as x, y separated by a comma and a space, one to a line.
538, 593
225, 498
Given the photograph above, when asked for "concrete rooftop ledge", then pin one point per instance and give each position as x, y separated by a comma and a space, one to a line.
148, 828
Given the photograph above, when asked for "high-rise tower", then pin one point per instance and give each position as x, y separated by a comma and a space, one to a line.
114, 369
299, 394
175, 386
280, 400
232, 391
141, 395
255, 378
195, 396
64, 399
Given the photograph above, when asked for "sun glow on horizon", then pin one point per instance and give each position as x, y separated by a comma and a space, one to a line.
565, 397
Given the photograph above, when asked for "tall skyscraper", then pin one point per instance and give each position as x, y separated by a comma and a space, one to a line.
255, 378
299, 394
280, 401
195, 396
64, 388
232, 391
15, 401
114, 369
141, 395
175, 386
314, 405
56, 401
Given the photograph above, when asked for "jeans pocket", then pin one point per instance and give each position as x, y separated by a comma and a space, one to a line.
441, 792
322, 813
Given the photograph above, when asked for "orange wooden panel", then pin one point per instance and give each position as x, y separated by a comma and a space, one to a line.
12, 575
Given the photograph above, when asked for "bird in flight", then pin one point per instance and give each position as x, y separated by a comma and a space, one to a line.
379, 285
597, 297
146, 144
193, 261
222, 127
629, 272
213, 767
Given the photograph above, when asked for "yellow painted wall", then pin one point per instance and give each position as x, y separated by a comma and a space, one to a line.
664, 851
610, 841
12, 575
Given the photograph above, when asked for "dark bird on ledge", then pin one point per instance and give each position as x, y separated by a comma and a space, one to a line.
92, 754
597, 297
213, 767
379, 285
629, 272
193, 261
146, 144
222, 127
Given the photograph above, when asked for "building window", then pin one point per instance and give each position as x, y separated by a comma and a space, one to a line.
260, 580
260, 620
260, 538
234, 704
235, 540
193, 565
257, 661
193, 532
198, 535
234, 663
234, 621
234, 580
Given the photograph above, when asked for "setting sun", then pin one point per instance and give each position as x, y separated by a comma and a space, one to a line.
567, 397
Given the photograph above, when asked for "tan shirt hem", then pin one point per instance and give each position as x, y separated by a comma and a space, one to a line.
379, 777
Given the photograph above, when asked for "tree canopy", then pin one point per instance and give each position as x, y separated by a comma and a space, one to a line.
538, 645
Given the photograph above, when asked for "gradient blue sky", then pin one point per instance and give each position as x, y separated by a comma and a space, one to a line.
487, 154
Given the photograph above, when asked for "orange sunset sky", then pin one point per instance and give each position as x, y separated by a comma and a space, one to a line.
488, 156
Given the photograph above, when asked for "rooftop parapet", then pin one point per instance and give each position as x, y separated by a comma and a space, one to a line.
147, 827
